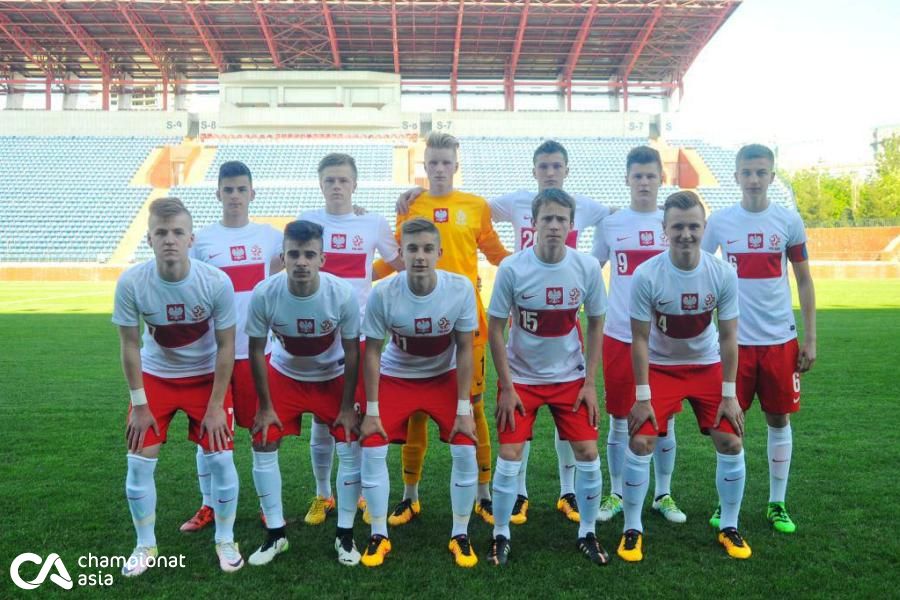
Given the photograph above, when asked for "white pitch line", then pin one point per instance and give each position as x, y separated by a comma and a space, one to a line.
45, 298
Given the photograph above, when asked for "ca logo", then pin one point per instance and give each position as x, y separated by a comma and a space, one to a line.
60, 578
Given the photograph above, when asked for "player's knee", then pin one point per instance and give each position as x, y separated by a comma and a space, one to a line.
585, 451
642, 445
349, 456
267, 447
773, 420
728, 443
511, 451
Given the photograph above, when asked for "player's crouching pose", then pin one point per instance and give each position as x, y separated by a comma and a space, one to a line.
185, 364
677, 354
543, 288
430, 316
313, 368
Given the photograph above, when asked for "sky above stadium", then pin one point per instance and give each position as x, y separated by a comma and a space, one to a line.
814, 77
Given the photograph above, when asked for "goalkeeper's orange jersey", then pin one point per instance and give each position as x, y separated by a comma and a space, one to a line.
464, 221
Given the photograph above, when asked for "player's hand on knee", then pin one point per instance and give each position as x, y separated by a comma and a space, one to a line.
264, 419
508, 402
406, 199
215, 425
588, 397
370, 426
139, 421
349, 421
730, 409
464, 425
640, 413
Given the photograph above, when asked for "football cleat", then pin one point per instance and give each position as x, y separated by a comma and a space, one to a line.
734, 544
273, 546
319, 510
462, 551
377, 548
230, 559
203, 517
137, 562
631, 547
498, 553
485, 509
591, 548
345, 547
520, 511
362, 506
404, 512
609, 508
778, 516
567, 506
716, 518
667, 508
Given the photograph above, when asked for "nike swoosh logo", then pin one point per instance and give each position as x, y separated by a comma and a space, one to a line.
464, 486
608, 444
352, 482
775, 460
567, 467
409, 472
226, 501
666, 302
595, 496
212, 256
279, 324
265, 495
667, 450
237, 563
485, 469
368, 487
619, 239
528, 296
733, 241
733, 480
629, 484
150, 314
138, 498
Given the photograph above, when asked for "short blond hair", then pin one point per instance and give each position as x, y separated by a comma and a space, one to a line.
166, 208
420, 225
440, 141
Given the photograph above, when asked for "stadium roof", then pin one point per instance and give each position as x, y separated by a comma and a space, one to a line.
616, 43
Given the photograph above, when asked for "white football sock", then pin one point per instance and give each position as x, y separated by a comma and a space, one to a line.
463, 479
505, 485
731, 474
588, 487
225, 489
780, 448
140, 490
348, 479
636, 478
664, 460
321, 454
376, 486
566, 462
523, 470
411, 491
203, 477
616, 443
267, 479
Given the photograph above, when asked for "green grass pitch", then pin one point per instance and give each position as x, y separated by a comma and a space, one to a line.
62, 469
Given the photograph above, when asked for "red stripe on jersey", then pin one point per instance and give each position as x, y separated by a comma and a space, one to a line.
629, 260
178, 335
797, 253
245, 277
345, 264
756, 265
547, 323
683, 326
312, 345
432, 345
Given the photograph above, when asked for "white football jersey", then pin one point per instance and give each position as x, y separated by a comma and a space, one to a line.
544, 299
420, 327
350, 242
244, 254
759, 246
179, 317
515, 208
308, 330
626, 239
679, 306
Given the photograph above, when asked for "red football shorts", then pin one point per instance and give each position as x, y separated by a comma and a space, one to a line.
769, 372
559, 398
291, 398
243, 391
189, 395
399, 398
701, 385
618, 377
